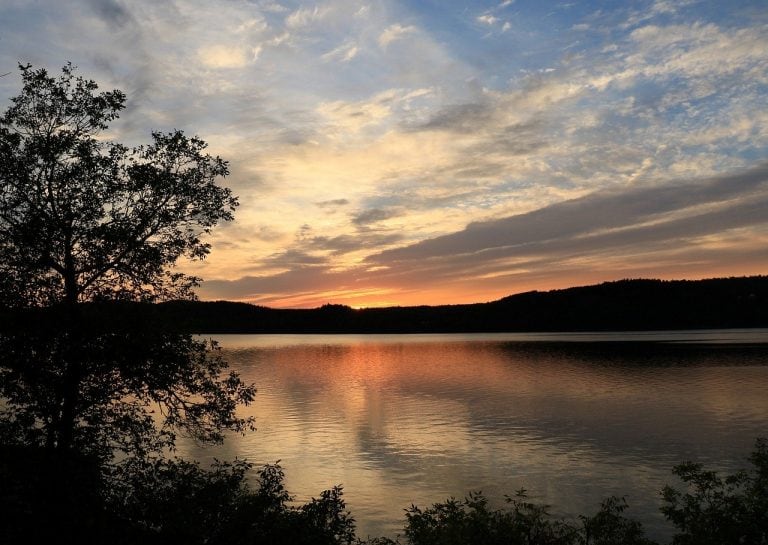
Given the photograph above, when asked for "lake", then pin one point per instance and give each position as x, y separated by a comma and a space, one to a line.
572, 418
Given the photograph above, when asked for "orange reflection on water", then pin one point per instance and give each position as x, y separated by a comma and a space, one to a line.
418, 421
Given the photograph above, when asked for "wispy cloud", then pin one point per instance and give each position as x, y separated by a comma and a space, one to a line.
374, 215
344, 53
669, 212
394, 32
332, 203
487, 19
304, 17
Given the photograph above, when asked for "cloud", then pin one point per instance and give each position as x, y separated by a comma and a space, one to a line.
550, 135
265, 233
696, 226
663, 8
304, 17
603, 220
333, 203
487, 19
343, 53
291, 259
223, 56
273, 7
461, 118
374, 215
345, 117
113, 12
292, 286
394, 32
348, 243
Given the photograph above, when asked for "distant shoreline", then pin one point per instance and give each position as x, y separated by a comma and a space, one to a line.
625, 305
621, 306
743, 340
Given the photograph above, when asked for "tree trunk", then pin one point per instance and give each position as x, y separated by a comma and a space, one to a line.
72, 366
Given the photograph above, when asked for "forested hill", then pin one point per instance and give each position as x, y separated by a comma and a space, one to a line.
622, 305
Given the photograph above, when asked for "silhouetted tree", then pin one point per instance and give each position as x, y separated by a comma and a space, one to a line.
85, 220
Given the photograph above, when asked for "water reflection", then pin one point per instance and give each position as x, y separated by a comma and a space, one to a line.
420, 420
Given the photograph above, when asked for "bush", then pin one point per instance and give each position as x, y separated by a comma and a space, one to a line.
471, 522
47, 497
50, 496
175, 501
609, 526
719, 510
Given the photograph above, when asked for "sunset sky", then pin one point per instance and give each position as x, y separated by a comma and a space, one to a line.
439, 151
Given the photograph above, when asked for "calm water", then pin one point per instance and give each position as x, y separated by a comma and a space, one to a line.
573, 418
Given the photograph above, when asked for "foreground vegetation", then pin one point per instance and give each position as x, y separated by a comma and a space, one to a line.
46, 499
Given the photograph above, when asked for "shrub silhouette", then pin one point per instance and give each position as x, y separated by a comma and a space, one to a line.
524, 522
717, 510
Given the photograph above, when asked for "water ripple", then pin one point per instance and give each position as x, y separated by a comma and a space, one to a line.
415, 419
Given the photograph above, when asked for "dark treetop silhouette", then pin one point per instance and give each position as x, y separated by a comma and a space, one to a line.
612, 306
85, 219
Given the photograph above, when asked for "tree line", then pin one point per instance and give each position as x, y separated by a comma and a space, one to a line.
626, 305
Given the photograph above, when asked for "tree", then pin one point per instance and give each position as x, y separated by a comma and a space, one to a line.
89, 230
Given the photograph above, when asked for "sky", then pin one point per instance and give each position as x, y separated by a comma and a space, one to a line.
440, 151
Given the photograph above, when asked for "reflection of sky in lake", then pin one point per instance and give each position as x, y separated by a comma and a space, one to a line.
415, 422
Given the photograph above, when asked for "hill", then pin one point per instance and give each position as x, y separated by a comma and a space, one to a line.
610, 306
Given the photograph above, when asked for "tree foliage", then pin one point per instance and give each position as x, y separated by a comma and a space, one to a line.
523, 522
720, 510
160, 501
712, 510
85, 220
